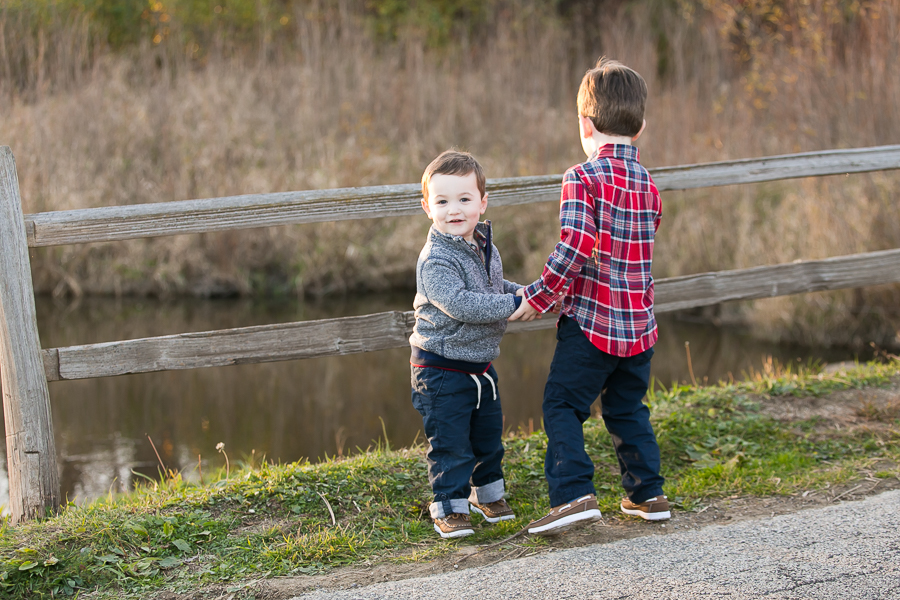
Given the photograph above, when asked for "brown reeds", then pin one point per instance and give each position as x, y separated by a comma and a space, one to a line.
339, 106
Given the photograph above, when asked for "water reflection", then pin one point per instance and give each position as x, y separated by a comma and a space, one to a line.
291, 410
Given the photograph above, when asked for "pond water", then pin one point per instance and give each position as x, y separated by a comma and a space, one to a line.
311, 408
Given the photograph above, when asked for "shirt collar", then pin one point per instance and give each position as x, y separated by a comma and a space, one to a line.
480, 237
622, 151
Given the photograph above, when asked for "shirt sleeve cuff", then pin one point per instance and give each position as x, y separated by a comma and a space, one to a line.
539, 298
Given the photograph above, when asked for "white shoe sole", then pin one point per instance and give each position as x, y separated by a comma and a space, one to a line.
566, 523
657, 516
489, 519
454, 534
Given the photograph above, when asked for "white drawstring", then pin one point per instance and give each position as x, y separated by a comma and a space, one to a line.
478, 384
493, 385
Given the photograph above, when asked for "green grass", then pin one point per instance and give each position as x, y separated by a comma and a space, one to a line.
274, 520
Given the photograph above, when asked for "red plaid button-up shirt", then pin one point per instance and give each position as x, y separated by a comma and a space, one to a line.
600, 269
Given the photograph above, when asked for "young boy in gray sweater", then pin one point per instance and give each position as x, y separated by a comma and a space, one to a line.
461, 306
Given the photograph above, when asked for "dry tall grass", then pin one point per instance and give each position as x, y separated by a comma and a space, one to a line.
345, 110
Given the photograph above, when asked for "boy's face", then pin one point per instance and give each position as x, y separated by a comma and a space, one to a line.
454, 204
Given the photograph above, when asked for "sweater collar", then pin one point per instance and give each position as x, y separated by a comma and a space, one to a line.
482, 233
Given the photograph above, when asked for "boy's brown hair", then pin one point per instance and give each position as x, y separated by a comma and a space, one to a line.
453, 162
613, 97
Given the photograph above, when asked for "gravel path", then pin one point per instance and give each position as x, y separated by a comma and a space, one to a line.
846, 551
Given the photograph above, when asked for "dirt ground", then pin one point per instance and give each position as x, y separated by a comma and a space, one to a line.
874, 409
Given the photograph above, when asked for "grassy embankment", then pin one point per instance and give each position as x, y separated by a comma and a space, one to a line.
131, 102
267, 520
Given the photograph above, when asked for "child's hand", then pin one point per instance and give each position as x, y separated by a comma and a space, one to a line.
525, 312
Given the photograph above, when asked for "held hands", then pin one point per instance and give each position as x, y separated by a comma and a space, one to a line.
525, 312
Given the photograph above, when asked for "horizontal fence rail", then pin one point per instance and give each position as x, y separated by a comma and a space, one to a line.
263, 210
382, 331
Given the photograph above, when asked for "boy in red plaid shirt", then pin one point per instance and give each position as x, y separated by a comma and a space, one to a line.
599, 275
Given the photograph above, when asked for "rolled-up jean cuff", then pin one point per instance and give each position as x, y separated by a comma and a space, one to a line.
457, 505
488, 493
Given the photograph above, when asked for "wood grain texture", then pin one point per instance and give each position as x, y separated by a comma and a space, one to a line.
30, 446
855, 270
381, 331
771, 168
264, 343
264, 210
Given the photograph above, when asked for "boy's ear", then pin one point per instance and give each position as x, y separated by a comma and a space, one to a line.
586, 126
426, 208
638, 134
484, 203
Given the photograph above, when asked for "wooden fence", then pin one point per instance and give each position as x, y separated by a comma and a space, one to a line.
25, 368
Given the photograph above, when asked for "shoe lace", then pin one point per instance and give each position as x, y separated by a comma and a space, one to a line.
549, 512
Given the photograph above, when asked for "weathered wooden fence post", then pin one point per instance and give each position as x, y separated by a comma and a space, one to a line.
30, 448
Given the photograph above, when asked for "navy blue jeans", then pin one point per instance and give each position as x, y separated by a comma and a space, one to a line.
578, 374
464, 431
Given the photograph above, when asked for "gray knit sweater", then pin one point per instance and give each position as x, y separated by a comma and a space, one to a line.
462, 302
